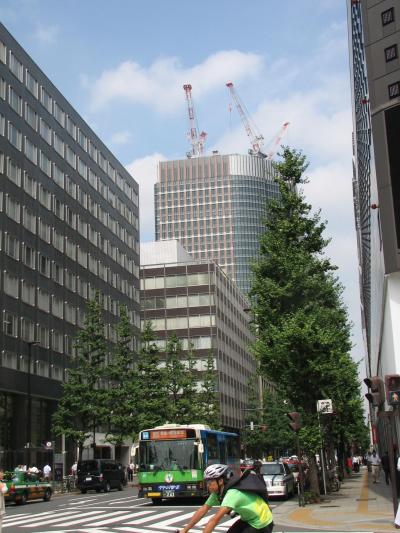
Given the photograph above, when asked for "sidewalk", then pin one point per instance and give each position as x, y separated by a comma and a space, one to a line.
360, 505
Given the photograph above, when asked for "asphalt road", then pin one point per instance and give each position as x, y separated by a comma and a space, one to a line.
101, 513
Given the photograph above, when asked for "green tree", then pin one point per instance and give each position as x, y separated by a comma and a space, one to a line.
253, 437
82, 408
208, 395
123, 384
181, 385
152, 396
278, 437
303, 333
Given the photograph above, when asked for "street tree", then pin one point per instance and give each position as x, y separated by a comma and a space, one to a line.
83, 407
208, 396
123, 384
301, 324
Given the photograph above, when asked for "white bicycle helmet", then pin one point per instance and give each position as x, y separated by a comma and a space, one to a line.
215, 471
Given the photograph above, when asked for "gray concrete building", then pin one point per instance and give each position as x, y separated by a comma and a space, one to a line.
374, 39
198, 302
215, 207
68, 227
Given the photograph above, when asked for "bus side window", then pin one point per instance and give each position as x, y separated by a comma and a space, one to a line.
212, 449
222, 451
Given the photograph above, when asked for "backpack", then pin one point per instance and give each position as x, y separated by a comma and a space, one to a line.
249, 481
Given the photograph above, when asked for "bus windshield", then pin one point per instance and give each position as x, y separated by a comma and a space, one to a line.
168, 455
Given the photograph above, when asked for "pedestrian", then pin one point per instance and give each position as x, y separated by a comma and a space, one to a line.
375, 465
47, 472
385, 462
3, 490
74, 469
254, 513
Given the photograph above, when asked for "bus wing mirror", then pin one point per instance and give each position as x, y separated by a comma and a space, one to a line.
201, 447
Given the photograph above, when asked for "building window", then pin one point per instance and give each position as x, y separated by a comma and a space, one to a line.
46, 100
59, 114
3, 88
57, 307
394, 90
30, 185
43, 336
58, 145
12, 209
45, 131
31, 84
70, 249
387, 16
58, 208
70, 313
44, 265
10, 324
28, 293
31, 117
70, 187
57, 341
82, 140
82, 168
57, 273
44, 300
71, 127
10, 285
44, 231
14, 136
16, 67
82, 257
29, 220
13, 172
70, 280
45, 164
30, 151
70, 156
391, 53
15, 101
58, 240
44, 197
2, 125
3, 52
29, 256
27, 329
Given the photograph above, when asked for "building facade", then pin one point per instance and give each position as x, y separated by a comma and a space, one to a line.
198, 302
68, 227
215, 207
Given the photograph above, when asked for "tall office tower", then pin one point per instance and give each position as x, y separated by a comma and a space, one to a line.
374, 37
196, 300
68, 227
215, 207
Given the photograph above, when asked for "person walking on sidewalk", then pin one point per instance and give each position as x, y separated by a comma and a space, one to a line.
375, 465
385, 462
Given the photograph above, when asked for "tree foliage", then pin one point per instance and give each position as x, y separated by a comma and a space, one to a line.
208, 395
303, 332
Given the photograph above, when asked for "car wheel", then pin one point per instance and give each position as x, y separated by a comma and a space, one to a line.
98, 489
155, 501
47, 495
120, 486
107, 487
286, 496
83, 491
23, 499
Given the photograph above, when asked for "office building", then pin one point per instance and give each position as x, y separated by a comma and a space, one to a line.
374, 38
215, 207
198, 302
69, 227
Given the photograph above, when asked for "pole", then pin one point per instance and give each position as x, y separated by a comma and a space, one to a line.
29, 410
322, 455
301, 486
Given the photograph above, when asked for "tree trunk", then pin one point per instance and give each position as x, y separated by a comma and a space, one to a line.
314, 482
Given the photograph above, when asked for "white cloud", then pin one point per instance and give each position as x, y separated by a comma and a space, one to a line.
144, 171
46, 34
121, 137
160, 85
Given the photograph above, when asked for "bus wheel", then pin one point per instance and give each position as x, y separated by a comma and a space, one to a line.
156, 501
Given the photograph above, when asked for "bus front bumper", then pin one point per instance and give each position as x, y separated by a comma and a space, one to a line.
173, 491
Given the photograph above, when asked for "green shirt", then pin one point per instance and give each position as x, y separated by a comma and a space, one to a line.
213, 500
249, 506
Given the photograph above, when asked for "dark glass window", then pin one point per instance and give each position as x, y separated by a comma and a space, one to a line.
391, 53
394, 90
387, 16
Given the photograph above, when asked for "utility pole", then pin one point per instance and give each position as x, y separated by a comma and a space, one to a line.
29, 398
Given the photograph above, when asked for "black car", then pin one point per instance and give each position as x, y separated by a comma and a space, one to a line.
100, 474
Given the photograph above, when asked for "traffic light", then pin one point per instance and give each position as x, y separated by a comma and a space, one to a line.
377, 395
392, 383
295, 423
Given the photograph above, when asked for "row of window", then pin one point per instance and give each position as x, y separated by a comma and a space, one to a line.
35, 189
64, 120
51, 269
201, 278
38, 367
181, 322
194, 343
174, 302
23, 215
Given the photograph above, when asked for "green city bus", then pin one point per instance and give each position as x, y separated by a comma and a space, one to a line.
172, 458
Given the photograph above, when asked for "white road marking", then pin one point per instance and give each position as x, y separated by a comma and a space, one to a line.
58, 519
37, 518
83, 520
152, 517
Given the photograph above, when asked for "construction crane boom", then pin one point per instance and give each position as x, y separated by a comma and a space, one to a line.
197, 141
273, 146
256, 140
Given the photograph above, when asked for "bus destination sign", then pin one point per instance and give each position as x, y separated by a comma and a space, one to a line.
164, 434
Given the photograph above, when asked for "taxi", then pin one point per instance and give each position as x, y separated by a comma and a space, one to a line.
23, 486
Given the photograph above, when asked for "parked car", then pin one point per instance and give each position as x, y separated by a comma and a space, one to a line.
100, 474
279, 479
23, 486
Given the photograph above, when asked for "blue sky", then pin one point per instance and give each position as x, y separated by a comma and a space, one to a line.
122, 65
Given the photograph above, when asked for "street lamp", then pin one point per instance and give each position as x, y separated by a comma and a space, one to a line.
29, 394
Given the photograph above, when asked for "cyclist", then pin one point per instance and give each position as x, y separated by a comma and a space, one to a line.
254, 513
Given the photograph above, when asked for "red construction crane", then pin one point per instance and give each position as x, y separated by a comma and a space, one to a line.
197, 141
256, 140
276, 140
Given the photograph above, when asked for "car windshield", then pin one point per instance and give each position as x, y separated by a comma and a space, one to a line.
87, 467
168, 455
272, 469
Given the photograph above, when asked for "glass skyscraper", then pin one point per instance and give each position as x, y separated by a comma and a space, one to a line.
215, 207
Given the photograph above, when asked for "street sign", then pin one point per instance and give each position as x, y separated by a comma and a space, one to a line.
324, 407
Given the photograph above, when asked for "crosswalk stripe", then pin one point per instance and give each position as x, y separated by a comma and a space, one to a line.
55, 520
105, 522
84, 520
150, 518
36, 518
165, 523
135, 530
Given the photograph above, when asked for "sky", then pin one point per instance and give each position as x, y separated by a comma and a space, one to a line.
122, 65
